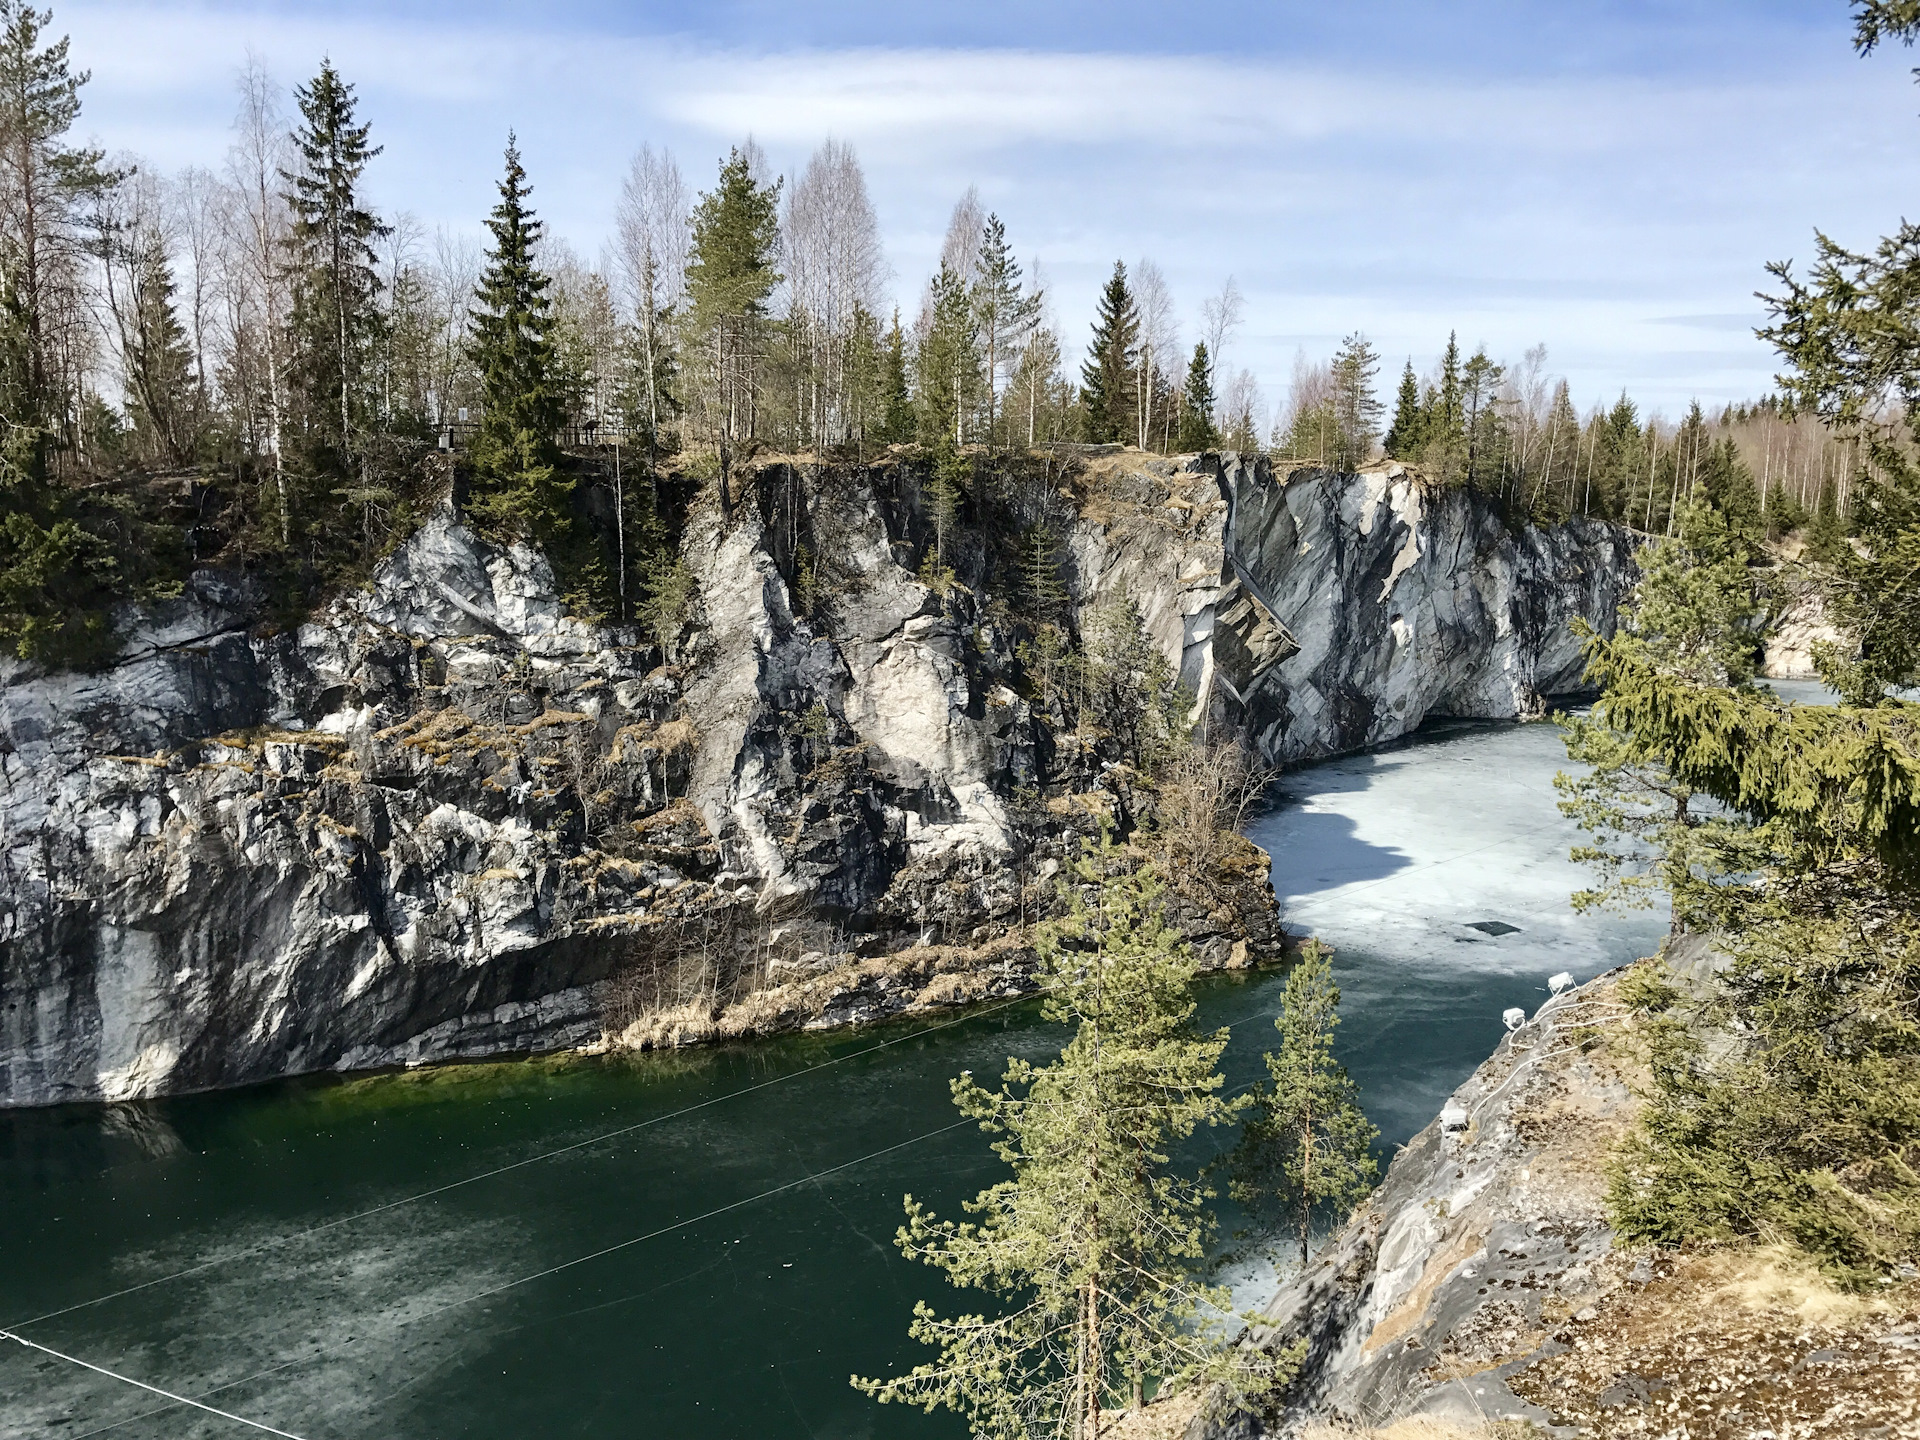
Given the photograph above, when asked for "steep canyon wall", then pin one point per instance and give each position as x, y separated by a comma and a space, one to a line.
442, 819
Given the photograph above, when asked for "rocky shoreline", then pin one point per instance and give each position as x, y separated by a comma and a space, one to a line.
1482, 1285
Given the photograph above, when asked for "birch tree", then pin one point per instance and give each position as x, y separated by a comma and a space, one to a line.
1159, 341
1220, 316
834, 269
652, 239
257, 300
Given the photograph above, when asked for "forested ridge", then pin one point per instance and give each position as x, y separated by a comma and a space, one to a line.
251, 367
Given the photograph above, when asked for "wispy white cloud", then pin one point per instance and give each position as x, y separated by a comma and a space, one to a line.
1588, 210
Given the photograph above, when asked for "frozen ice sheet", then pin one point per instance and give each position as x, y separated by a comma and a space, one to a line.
1404, 861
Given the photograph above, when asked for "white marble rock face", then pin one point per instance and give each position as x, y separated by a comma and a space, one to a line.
432, 820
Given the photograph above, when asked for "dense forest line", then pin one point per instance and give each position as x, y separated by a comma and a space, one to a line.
254, 367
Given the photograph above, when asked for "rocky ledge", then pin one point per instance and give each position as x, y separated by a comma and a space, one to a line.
1482, 1285
445, 819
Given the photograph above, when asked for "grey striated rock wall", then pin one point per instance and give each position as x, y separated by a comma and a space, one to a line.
1361, 605
435, 820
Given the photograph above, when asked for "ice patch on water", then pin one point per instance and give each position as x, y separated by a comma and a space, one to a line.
319, 1334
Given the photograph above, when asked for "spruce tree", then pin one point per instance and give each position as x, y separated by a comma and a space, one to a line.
57, 577
898, 419
1826, 536
730, 275
50, 185
1730, 489
1406, 436
946, 488
1782, 513
160, 399
1560, 457
947, 364
1006, 313
59, 573
518, 485
1197, 430
1619, 465
1480, 414
336, 283
1107, 376
1307, 1146
1691, 449
1041, 591
1095, 1244
863, 362
1784, 1091
1693, 616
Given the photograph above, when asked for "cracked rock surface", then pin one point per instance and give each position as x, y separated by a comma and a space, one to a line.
1482, 1282
443, 818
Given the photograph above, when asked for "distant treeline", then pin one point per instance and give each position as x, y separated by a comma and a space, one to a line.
1512, 432
253, 366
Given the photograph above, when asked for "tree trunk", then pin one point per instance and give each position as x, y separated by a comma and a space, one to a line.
620, 528
1306, 1183
1093, 1359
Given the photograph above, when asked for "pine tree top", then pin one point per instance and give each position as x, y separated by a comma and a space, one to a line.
735, 236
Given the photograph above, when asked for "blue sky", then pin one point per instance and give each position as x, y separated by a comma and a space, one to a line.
1606, 179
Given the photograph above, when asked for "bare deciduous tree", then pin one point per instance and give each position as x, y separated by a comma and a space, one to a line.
1159, 343
834, 269
960, 250
260, 302
199, 208
652, 237
1220, 316
1242, 410
1204, 794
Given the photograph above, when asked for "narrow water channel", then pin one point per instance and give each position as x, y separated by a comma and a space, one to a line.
698, 1244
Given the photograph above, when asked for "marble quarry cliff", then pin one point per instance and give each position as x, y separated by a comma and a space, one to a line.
445, 819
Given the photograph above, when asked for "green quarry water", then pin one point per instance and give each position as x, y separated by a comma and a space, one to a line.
646, 1284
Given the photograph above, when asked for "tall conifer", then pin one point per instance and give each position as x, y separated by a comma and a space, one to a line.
948, 362
1197, 430
1307, 1146
1107, 376
1479, 413
896, 395
1406, 436
518, 484
1006, 313
57, 577
736, 236
336, 282
1444, 421
159, 366
1097, 1240
1356, 408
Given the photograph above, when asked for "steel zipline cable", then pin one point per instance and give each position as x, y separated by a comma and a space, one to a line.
487, 1293
141, 1384
544, 1155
